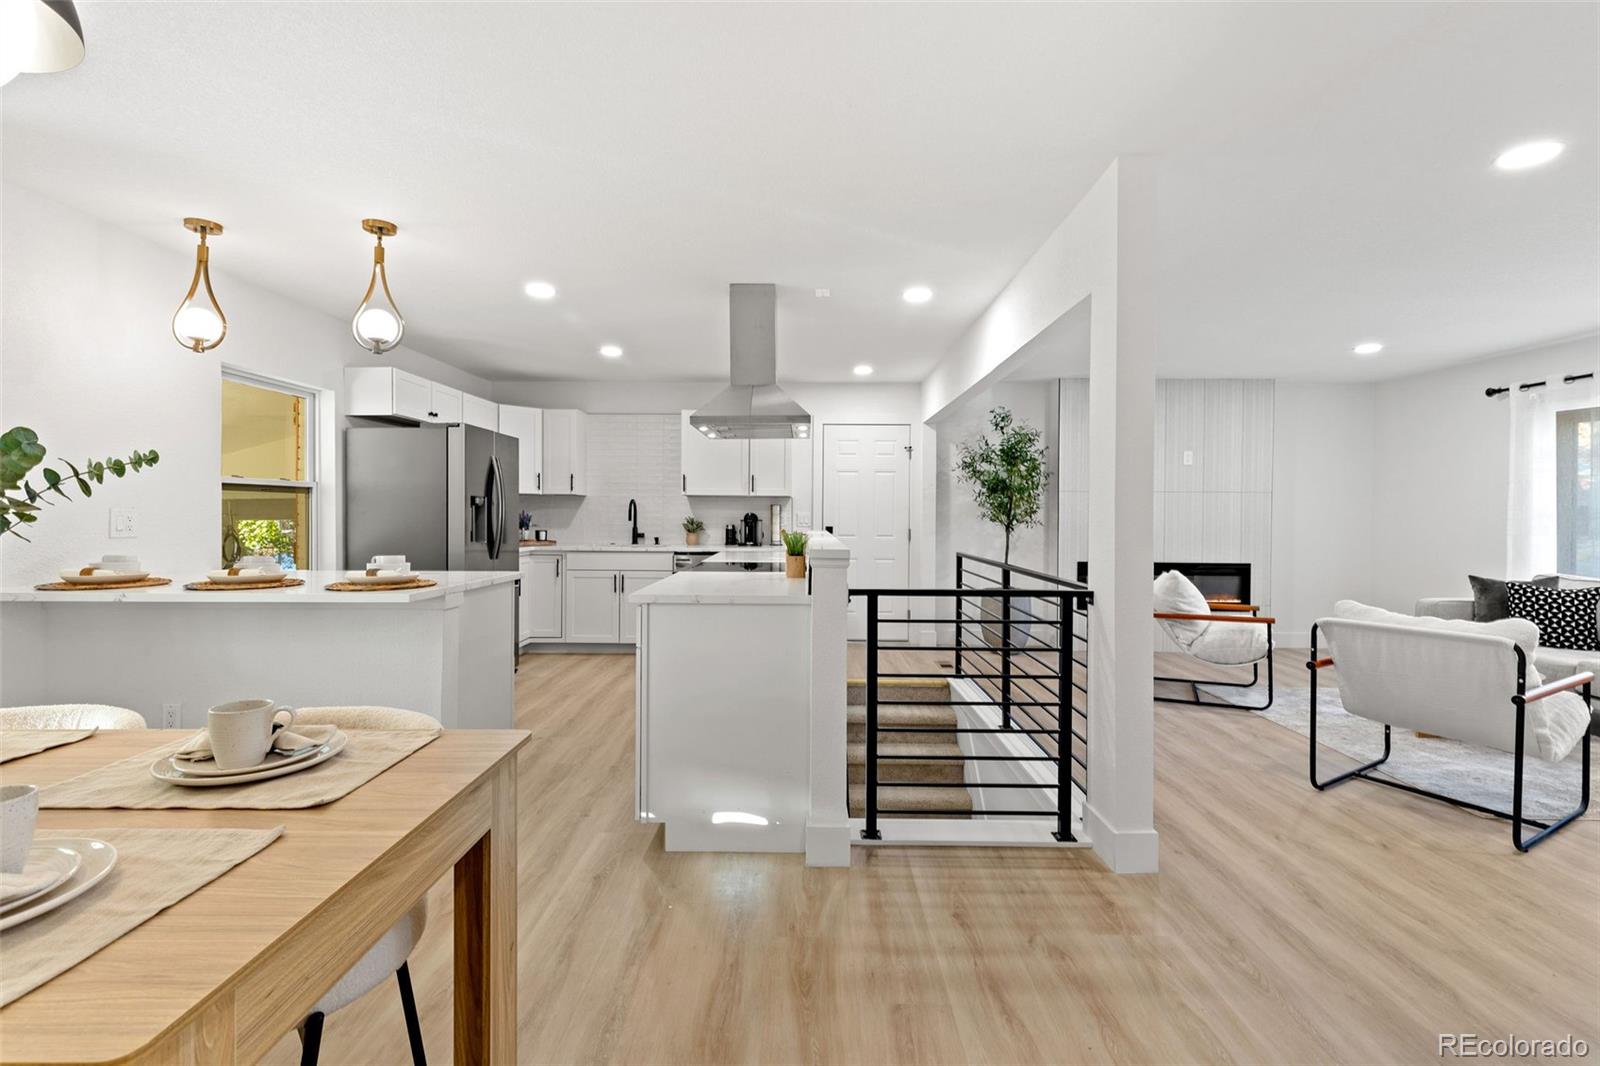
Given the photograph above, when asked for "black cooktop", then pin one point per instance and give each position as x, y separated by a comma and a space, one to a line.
754, 568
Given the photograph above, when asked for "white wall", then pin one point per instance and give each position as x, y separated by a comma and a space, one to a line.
1323, 514
87, 360
1442, 470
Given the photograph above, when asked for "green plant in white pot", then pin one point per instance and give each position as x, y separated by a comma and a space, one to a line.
1007, 474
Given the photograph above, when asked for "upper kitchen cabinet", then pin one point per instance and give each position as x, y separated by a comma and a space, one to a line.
484, 414
734, 467
527, 425
566, 451
389, 392
713, 467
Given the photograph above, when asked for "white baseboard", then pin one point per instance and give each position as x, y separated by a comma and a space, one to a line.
1132, 851
828, 845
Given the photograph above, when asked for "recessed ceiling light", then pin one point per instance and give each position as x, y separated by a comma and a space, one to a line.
863, 370
1367, 348
540, 290
611, 351
1527, 156
917, 294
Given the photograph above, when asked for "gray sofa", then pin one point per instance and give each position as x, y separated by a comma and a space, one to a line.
1553, 664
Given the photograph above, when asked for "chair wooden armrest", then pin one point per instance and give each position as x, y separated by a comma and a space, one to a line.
1566, 684
1215, 618
1230, 605
1318, 664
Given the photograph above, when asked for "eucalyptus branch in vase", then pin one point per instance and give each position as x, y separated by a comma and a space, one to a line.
20, 500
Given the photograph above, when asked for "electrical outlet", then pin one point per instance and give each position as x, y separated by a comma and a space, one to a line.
169, 715
1188, 458
124, 522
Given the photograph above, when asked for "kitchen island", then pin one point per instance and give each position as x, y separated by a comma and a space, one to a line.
169, 652
740, 680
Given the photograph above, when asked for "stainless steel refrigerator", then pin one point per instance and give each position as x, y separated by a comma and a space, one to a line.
443, 496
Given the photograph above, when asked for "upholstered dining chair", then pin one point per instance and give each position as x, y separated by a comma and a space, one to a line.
389, 954
70, 716
1228, 635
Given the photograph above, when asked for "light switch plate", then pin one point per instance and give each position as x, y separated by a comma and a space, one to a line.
124, 522
1188, 458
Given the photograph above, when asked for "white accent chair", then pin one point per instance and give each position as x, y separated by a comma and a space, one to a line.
70, 716
389, 954
1215, 633
1469, 681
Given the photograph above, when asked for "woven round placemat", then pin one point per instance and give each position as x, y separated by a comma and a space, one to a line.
229, 586
67, 586
351, 586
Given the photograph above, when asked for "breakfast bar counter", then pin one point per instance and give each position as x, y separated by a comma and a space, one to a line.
170, 652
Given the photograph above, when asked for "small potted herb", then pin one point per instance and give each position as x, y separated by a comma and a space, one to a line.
691, 530
524, 523
794, 563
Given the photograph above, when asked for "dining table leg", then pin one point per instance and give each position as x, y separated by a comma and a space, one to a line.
486, 934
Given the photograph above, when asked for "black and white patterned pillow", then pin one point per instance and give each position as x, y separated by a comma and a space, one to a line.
1565, 617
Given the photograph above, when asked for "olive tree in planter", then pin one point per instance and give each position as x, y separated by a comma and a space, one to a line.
1007, 475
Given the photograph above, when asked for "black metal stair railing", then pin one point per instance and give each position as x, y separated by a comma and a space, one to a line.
1027, 634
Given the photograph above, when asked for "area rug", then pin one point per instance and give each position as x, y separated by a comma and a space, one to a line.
1463, 771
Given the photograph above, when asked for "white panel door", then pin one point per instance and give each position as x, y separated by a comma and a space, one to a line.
413, 397
446, 404
542, 588
769, 467
592, 598
562, 452
527, 425
866, 479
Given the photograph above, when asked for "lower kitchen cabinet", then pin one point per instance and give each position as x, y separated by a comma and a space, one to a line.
540, 613
592, 600
632, 581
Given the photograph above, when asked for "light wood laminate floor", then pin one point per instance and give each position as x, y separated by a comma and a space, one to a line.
1285, 926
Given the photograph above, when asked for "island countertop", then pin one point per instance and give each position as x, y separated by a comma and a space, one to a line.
314, 591
757, 588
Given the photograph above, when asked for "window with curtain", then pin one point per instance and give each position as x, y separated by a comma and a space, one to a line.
1577, 493
267, 464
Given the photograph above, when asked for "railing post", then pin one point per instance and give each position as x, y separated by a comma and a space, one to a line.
1064, 659
960, 599
1005, 651
871, 831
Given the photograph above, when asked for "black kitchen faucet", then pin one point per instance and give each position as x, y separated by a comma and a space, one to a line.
633, 516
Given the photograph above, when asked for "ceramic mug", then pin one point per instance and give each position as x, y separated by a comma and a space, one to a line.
241, 731
124, 564
266, 563
389, 562
19, 810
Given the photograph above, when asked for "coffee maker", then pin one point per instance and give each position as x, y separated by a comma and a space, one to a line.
730, 534
751, 534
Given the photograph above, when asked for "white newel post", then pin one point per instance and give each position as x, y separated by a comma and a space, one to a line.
1119, 814
828, 826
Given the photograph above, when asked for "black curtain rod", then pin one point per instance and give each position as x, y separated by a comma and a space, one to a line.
1527, 385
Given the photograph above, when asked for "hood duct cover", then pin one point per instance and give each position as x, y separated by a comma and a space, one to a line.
752, 407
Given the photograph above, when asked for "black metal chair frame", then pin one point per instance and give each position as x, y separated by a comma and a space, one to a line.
311, 1028
1255, 670
1519, 701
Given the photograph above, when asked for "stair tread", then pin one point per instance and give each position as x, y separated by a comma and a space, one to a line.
856, 750
952, 800
904, 714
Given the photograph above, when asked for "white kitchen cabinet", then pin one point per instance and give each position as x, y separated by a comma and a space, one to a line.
540, 613
713, 467
770, 462
446, 409
527, 425
566, 451
592, 599
476, 411
632, 581
386, 392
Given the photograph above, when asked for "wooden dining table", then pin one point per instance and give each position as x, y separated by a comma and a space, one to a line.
223, 974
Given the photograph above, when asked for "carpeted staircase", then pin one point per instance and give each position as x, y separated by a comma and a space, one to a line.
932, 707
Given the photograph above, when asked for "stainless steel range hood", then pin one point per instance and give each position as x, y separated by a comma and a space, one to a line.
753, 407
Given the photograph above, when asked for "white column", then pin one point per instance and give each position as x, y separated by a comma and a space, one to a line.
828, 826
1119, 815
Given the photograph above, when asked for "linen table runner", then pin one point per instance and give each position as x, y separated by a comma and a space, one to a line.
155, 869
127, 783
16, 743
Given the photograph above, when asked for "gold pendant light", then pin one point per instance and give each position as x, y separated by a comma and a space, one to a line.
196, 326
378, 325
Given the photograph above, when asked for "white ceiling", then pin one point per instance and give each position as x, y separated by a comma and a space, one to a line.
1327, 169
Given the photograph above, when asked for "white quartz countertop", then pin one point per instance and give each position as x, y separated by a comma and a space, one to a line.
693, 549
763, 588
312, 592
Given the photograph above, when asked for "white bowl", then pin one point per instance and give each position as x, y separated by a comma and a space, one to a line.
118, 562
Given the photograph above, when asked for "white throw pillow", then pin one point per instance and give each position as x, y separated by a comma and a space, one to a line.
1176, 594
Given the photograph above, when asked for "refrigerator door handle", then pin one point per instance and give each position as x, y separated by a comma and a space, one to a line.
500, 502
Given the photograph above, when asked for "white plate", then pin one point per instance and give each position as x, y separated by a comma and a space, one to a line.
222, 577
163, 770
72, 577
61, 863
209, 768
96, 860
383, 577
